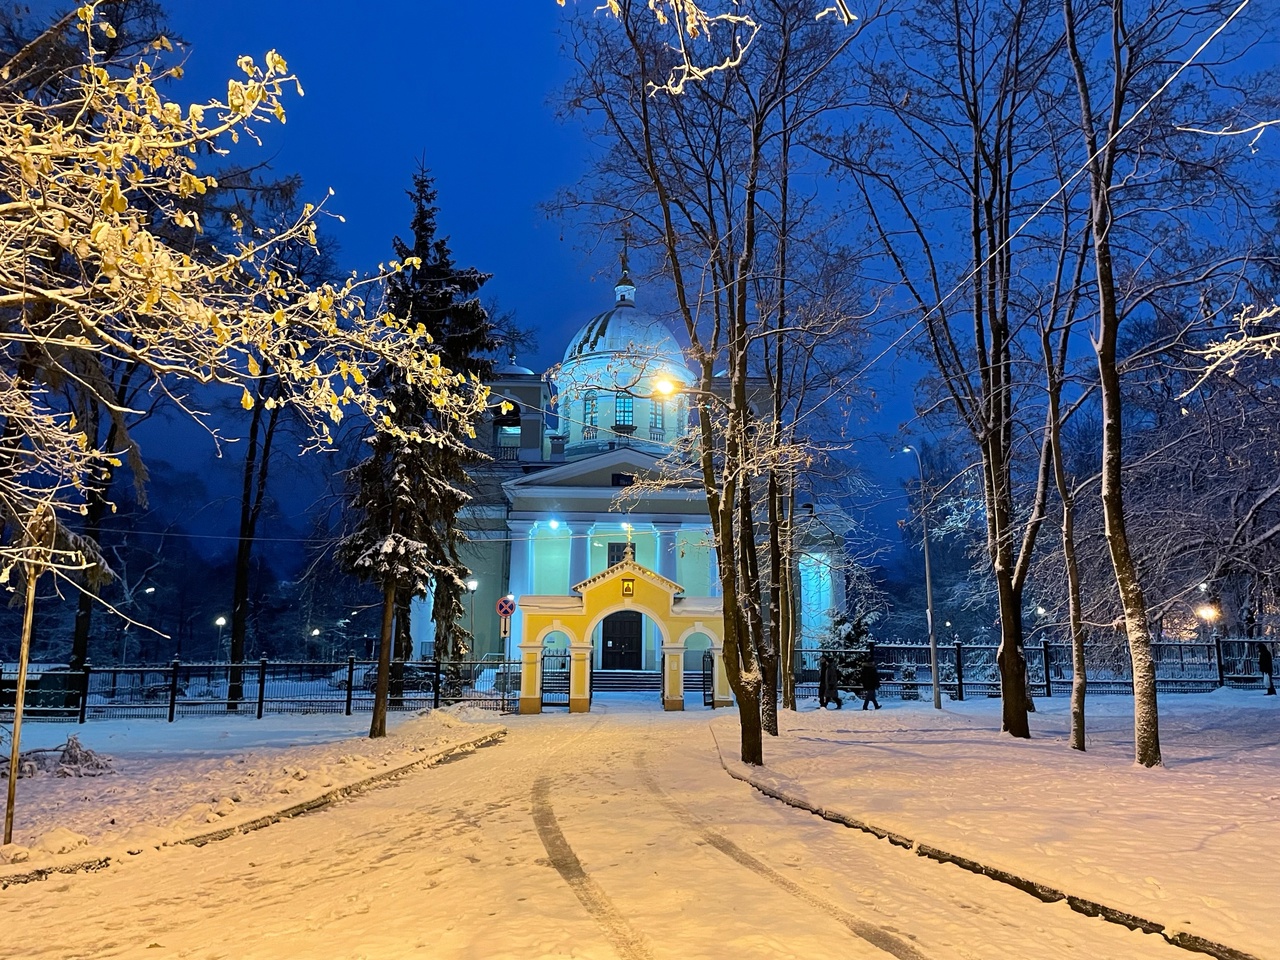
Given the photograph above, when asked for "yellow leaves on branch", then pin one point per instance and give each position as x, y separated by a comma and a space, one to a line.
109, 178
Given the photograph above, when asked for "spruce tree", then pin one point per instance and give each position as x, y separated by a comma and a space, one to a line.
407, 495
442, 297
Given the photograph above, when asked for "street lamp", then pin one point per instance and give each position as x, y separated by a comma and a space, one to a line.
220, 622
472, 586
928, 580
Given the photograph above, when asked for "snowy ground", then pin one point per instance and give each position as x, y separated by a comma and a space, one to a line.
174, 780
1192, 845
618, 834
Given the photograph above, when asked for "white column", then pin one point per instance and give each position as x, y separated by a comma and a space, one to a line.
668, 549
713, 571
520, 580
579, 553
837, 582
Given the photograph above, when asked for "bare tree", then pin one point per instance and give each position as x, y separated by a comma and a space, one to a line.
693, 172
956, 133
1144, 178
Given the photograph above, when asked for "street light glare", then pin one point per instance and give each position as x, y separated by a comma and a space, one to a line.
220, 622
315, 632
472, 585
1208, 613
665, 387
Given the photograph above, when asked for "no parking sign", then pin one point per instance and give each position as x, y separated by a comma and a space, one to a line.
506, 607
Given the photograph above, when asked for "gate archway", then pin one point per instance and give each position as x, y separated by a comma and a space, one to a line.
626, 587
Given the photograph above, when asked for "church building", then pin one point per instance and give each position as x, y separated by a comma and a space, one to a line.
624, 582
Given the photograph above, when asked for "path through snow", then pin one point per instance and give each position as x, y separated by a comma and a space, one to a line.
614, 834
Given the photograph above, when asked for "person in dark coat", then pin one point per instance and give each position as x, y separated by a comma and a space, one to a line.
870, 680
1265, 667
828, 682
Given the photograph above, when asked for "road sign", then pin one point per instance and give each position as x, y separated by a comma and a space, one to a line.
506, 627
506, 607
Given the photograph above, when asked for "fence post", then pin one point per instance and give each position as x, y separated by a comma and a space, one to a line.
262, 684
351, 680
959, 670
173, 689
435, 688
1217, 652
1048, 683
84, 692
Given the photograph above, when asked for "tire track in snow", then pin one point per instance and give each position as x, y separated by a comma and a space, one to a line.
872, 934
625, 938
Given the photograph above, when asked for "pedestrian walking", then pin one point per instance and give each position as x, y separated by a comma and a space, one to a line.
870, 683
828, 682
1265, 667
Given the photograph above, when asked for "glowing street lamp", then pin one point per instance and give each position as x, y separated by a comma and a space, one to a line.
220, 623
472, 586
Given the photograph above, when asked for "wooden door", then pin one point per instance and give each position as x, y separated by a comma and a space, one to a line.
620, 636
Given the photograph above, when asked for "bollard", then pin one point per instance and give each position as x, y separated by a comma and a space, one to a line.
173, 689
959, 670
262, 684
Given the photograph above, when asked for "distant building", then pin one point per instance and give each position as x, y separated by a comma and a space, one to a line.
547, 516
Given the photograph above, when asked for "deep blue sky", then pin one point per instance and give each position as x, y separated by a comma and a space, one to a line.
468, 87
465, 86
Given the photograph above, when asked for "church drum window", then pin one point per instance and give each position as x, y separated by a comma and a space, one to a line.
624, 409
590, 413
657, 420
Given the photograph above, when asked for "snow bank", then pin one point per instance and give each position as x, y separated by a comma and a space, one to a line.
173, 781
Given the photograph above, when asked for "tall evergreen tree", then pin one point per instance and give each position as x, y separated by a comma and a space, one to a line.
407, 494
442, 297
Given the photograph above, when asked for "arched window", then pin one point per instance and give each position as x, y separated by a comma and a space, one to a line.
624, 409
589, 415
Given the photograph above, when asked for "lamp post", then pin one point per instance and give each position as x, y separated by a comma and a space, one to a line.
221, 622
928, 580
472, 586
1208, 613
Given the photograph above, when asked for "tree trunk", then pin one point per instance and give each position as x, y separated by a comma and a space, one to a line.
787, 606
1011, 660
768, 653
781, 660
1146, 723
253, 491
95, 510
403, 647
378, 723
1079, 679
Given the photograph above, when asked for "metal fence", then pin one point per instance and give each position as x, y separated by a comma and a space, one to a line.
555, 678
968, 670
256, 689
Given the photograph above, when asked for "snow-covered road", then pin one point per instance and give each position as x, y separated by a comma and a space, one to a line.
614, 834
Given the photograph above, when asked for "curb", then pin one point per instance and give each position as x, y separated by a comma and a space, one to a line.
1041, 891
102, 861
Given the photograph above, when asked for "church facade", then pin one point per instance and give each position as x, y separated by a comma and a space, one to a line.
570, 497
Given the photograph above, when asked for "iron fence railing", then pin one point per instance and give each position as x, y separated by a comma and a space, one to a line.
970, 669
256, 688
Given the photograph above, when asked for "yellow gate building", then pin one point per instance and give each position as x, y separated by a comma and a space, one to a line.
625, 586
